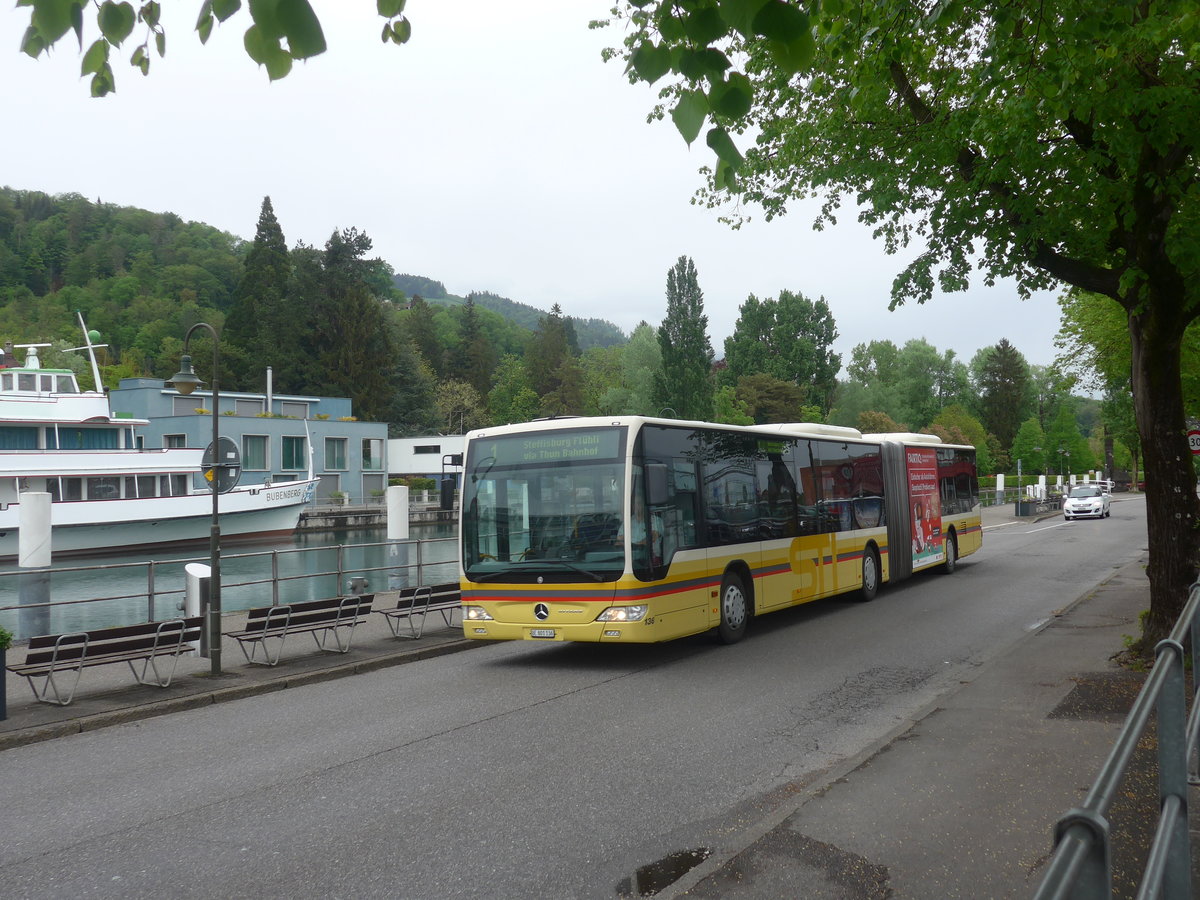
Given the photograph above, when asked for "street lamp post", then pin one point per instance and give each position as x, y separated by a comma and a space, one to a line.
186, 381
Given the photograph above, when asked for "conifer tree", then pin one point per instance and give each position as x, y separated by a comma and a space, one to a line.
548, 350
260, 324
1003, 389
687, 354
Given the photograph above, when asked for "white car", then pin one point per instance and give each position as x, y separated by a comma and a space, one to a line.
1087, 500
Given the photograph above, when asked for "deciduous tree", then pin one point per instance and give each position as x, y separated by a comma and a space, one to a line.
1044, 143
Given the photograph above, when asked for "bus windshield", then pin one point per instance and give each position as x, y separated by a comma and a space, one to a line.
545, 507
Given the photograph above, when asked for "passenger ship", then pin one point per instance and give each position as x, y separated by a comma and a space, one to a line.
107, 493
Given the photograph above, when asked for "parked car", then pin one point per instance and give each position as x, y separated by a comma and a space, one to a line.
1087, 500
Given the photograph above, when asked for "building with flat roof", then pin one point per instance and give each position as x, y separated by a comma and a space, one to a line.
429, 456
275, 433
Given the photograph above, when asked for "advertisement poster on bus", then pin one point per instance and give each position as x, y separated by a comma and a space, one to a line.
924, 506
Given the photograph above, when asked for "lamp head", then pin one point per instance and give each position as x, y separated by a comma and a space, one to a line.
185, 380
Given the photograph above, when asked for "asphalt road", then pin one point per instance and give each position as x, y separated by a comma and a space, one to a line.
523, 770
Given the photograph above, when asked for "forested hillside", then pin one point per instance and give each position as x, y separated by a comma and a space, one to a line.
336, 320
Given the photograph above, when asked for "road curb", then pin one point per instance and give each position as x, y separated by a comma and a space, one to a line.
124, 715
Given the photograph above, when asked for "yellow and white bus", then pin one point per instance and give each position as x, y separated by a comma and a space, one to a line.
639, 529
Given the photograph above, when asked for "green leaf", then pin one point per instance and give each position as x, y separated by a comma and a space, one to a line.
141, 60
263, 12
707, 63
401, 31
794, 56
689, 114
204, 24
704, 26
116, 21
258, 45
150, 13
225, 8
52, 19
102, 82
279, 64
389, 9
721, 143
732, 98
160, 43
95, 58
651, 62
780, 21
301, 27
32, 43
739, 14
725, 178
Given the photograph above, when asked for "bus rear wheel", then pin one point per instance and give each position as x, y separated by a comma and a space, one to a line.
735, 609
951, 554
870, 575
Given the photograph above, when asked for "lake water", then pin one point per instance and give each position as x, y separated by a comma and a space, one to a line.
96, 592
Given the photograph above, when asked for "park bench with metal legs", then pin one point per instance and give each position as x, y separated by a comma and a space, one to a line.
421, 601
147, 644
323, 619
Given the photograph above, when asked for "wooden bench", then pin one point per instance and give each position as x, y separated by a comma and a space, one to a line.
421, 601
50, 654
320, 618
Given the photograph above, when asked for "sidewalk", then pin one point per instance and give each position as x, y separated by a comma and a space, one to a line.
108, 694
962, 801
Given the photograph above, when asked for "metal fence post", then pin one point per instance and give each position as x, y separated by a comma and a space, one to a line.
150, 592
1172, 773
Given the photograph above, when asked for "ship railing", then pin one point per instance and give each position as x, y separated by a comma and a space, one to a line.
83, 597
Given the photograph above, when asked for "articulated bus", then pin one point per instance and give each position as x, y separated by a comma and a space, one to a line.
640, 529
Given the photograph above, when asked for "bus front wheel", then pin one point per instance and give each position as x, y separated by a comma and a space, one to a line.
735, 609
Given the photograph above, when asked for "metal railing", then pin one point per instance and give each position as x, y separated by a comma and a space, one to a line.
94, 596
1081, 866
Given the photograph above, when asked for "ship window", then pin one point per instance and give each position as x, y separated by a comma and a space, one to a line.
104, 488
174, 440
26, 381
72, 488
52, 490
47, 383
66, 385
14, 437
147, 486
6, 381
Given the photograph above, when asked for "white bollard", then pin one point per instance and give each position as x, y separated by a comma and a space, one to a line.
397, 512
195, 600
33, 552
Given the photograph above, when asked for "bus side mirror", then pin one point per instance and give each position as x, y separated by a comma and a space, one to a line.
656, 484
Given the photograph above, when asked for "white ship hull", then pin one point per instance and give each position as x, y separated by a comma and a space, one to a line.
118, 526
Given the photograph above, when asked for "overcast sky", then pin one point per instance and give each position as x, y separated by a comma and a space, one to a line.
493, 152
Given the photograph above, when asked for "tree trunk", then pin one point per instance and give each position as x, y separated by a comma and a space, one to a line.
1172, 512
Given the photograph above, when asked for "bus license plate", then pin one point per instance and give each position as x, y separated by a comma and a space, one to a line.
541, 632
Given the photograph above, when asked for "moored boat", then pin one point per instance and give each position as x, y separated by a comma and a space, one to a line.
109, 493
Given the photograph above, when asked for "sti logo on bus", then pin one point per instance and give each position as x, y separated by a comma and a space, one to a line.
542, 612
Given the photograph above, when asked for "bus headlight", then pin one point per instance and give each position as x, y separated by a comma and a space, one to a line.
623, 614
476, 614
